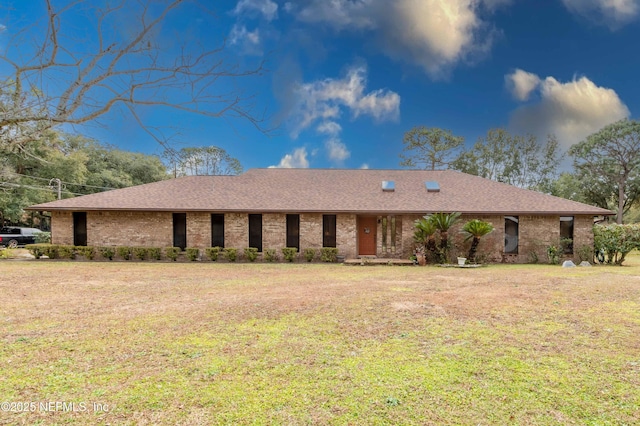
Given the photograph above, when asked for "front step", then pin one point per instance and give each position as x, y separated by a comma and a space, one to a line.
368, 260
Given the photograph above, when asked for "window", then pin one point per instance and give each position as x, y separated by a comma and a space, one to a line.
566, 234
511, 234
388, 185
432, 186
293, 231
329, 230
180, 230
255, 231
79, 229
217, 230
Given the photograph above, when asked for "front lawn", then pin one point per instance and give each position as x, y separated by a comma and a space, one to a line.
193, 344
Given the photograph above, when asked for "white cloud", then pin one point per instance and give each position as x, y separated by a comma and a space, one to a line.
240, 35
337, 150
613, 13
521, 83
571, 110
364, 166
323, 99
248, 41
3, 28
329, 128
297, 160
339, 14
434, 34
266, 8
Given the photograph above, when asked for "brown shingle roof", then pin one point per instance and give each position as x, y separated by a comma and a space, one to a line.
328, 191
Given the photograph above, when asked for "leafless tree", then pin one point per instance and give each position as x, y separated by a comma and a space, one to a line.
53, 78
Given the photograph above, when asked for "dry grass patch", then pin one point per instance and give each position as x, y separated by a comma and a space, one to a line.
165, 343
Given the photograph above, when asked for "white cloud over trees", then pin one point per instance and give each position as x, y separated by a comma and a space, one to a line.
571, 110
521, 83
296, 160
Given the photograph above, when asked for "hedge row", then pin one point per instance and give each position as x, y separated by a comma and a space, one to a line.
289, 254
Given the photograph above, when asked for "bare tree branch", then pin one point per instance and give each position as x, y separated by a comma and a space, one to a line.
69, 82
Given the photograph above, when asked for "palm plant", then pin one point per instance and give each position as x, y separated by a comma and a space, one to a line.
443, 222
424, 234
475, 229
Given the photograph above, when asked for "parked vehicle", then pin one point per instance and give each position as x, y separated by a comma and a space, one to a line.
13, 237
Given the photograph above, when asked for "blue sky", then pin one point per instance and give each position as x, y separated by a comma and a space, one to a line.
347, 78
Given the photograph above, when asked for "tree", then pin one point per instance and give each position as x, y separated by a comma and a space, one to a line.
67, 80
84, 166
443, 222
423, 235
475, 229
206, 160
607, 165
517, 160
429, 147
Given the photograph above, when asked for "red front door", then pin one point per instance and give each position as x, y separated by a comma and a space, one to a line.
367, 235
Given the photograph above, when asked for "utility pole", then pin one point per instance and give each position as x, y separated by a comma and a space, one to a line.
58, 183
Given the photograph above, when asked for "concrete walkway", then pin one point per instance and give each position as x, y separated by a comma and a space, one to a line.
366, 261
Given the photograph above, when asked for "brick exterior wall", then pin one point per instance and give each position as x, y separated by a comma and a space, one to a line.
155, 229
274, 231
151, 229
236, 230
310, 230
198, 229
62, 228
346, 235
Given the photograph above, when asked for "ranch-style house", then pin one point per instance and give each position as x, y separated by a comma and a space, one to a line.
361, 212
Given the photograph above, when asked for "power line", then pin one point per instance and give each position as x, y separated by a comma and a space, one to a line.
64, 182
41, 188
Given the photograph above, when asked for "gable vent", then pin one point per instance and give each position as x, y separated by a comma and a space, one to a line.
388, 185
432, 186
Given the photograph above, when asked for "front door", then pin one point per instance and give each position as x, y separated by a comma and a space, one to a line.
367, 226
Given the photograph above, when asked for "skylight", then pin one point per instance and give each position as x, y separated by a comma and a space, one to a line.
388, 185
432, 186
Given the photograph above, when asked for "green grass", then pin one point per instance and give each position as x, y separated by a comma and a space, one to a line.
321, 344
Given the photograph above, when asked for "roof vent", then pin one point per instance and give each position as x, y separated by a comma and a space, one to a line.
388, 185
432, 186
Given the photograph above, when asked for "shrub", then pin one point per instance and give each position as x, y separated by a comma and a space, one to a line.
212, 253
67, 252
87, 251
37, 250
124, 252
140, 253
172, 253
154, 253
309, 254
566, 244
231, 254
5, 252
616, 241
270, 255
107, 252
51, 251
329, 254
553, 253
251, 253
585, 253
289, 253
193, 253
43, 238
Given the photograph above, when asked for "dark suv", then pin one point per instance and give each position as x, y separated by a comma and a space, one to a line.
13, 237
